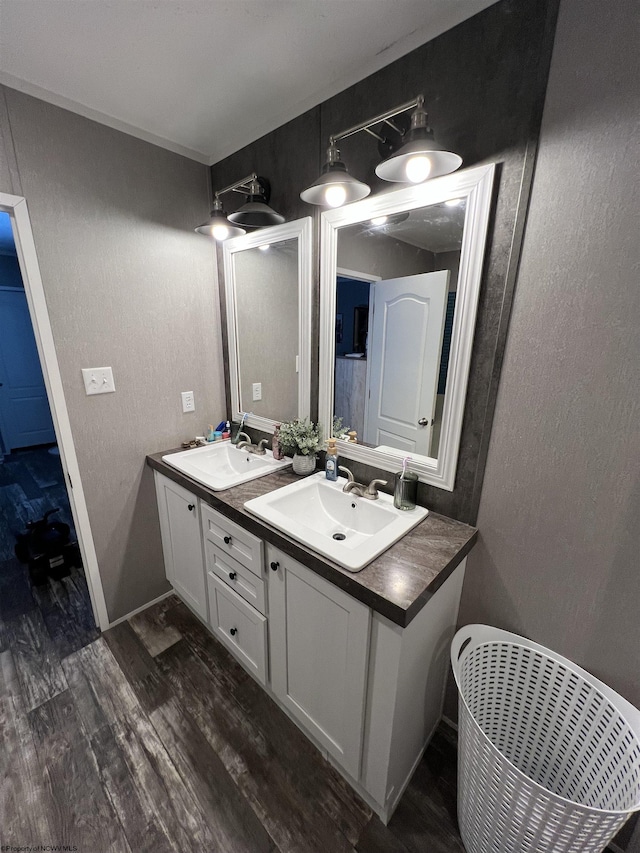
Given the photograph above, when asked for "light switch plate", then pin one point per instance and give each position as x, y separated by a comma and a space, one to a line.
98, 380
188, 401
257, 391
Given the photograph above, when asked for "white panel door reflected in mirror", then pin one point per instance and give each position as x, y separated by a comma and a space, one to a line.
400, 278
268, 299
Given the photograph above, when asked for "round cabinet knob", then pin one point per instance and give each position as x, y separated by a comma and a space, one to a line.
275, 566
232, 576
233, 631
191, 507
227, 540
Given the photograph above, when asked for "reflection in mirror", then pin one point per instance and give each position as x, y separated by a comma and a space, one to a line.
395, 301
267, 285
400, 278
267, 325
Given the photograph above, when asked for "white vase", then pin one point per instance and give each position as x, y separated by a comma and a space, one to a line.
304, 464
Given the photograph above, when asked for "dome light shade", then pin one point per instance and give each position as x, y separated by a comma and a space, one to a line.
218, 226
255, 212
420, 158
335, 186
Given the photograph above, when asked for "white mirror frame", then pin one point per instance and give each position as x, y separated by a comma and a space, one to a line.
475, 185
302, 230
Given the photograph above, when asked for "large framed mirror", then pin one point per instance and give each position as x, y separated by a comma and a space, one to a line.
267, 276
400, 276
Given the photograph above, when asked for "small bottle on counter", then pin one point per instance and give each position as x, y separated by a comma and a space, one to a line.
275, 444
331, 463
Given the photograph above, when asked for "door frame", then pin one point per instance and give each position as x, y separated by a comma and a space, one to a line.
16, 207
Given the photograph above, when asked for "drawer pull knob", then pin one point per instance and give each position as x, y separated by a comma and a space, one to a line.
232, 576
191, 507
227, 540
233, 631
275, 566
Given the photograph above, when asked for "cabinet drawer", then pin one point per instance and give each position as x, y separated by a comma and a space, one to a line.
235, 575
239, 626
232, 539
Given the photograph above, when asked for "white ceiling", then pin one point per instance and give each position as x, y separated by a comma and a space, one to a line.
206, 77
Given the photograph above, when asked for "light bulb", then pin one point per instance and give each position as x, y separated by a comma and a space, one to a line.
453, 202
379, 220
265, 247
220, 232
335, 195
418, 168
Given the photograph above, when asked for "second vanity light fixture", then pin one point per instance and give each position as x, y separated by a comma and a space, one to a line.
418, 158
254, 213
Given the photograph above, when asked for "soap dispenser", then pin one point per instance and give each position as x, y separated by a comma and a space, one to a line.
331, 464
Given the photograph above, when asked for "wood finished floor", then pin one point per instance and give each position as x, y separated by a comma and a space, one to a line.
152, 738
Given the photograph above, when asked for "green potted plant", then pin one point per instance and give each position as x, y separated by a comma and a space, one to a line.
301, 439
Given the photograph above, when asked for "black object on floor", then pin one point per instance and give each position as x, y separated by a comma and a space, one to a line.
46, 548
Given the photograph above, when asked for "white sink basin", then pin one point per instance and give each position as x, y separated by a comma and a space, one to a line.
222, 465
349, 530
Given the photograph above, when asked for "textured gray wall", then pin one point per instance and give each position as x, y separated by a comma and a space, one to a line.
128, 284
559, 553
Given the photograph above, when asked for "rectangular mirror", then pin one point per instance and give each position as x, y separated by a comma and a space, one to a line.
267, 277
400, 278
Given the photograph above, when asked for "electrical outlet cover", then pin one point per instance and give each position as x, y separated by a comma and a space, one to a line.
188, 401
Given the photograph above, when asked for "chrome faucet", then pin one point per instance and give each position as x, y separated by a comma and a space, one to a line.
351, 487
259, 449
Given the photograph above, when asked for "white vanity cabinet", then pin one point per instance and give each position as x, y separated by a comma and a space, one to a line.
319, 644
367, 691
179, 513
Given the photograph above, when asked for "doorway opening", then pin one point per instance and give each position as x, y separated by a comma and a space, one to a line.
50, 588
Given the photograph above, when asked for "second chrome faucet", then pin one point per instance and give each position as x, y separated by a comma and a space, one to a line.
351, 487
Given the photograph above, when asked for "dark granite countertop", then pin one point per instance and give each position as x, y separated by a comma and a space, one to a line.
396, 584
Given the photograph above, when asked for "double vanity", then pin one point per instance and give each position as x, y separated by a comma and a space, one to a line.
356, 655
340, 605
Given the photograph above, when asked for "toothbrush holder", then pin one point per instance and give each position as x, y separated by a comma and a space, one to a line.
405, 492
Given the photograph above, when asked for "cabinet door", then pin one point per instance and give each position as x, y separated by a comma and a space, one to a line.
182, 543
319, 643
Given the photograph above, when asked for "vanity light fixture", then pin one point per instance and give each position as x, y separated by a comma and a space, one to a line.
335, 186
418, 159
254, 213
218, 226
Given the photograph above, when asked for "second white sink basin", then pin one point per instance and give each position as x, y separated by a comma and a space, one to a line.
349, 530
221, 465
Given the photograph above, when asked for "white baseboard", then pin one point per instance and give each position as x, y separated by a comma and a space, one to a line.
140, 609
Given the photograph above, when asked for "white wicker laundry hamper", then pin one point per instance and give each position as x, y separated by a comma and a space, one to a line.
548, 756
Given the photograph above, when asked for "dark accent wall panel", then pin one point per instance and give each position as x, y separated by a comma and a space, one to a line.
484, 82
